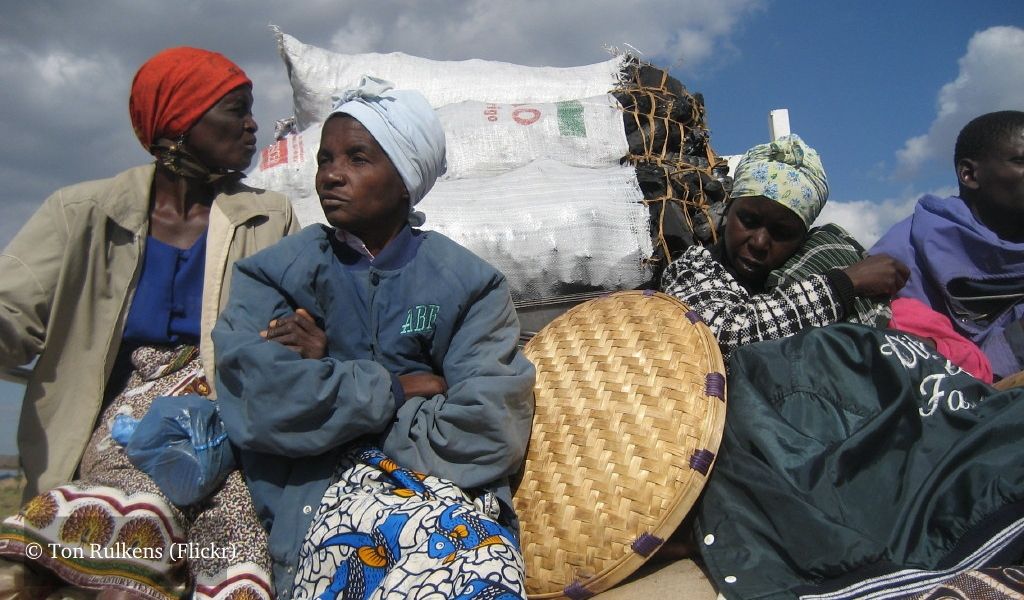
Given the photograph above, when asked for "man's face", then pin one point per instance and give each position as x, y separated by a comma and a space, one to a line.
997, 179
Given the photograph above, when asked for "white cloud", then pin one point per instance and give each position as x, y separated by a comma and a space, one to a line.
539, 32
868, 220
59, 70
991, 78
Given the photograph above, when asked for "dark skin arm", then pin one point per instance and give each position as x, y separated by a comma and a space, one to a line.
299, 332
426, 385
877, 276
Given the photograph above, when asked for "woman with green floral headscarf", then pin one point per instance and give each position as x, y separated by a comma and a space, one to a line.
778, 190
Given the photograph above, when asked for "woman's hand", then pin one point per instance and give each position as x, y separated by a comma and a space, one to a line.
298, 332
426, 385
878, 275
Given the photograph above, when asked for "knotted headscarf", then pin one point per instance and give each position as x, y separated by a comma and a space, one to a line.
787, 171
407, 129
175, 88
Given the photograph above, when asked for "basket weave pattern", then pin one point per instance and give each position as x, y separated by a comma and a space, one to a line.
623, 436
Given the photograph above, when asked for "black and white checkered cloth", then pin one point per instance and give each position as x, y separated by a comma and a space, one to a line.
831, 247
737, 317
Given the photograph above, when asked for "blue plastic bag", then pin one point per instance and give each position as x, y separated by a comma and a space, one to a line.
182, 445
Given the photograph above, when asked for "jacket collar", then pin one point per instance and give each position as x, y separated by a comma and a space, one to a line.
129, 199
128, 204
399, 251
395, 255
238, 202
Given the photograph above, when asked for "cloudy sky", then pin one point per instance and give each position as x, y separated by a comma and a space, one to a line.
880, 88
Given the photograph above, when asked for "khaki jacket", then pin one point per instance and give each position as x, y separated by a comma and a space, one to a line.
66, 283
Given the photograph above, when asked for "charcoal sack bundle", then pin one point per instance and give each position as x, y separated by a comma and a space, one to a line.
684, 182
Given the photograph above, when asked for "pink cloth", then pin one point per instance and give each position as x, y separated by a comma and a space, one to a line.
913, 316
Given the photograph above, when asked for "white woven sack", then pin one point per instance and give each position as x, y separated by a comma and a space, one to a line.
486, 139
482, 140
289, 166
546, 226
317, 74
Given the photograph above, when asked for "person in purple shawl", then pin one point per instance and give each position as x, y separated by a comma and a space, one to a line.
966, 252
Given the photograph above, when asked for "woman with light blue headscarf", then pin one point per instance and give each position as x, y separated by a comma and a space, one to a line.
778, 190
371, 378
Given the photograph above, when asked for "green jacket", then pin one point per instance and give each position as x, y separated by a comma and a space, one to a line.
857, 463
66, 283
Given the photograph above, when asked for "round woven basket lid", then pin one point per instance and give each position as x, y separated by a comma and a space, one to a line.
630, 410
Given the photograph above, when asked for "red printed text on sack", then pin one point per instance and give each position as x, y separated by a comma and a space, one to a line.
274, 154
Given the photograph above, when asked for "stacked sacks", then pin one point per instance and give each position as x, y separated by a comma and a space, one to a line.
542, 181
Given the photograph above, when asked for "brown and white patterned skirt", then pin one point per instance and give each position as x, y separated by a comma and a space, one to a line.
113, 529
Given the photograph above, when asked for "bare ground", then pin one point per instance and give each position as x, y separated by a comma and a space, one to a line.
10, 495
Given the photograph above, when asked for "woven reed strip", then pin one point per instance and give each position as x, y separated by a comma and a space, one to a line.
621, 407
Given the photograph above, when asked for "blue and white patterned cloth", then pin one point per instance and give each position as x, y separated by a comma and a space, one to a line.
383, 531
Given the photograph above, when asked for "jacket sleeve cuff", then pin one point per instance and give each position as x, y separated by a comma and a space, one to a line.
397, 391
842, 289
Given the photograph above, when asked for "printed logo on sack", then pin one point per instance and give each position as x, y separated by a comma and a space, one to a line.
274, 154
525, 115
420, 318
570, 119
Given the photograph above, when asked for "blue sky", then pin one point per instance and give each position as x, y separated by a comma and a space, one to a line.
860, 79
879, 88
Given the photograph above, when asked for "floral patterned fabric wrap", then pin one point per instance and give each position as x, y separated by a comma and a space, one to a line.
113, 529
386, 532
787, 171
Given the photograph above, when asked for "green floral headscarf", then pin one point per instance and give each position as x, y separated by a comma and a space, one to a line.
787, 171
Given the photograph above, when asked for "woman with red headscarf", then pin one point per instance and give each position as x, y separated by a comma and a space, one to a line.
113, 287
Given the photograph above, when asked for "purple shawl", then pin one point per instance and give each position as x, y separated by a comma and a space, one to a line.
942, 241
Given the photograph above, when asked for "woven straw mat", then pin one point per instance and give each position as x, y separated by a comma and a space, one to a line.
630, 410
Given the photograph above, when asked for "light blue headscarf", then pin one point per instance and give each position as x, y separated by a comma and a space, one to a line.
407, 129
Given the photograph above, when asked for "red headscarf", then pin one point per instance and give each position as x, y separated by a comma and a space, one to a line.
175, 88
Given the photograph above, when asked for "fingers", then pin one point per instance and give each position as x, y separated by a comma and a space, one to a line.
298, 321
304, 321
899, 273
277, 328
903, 270
298, 332
285, 333
878, 275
